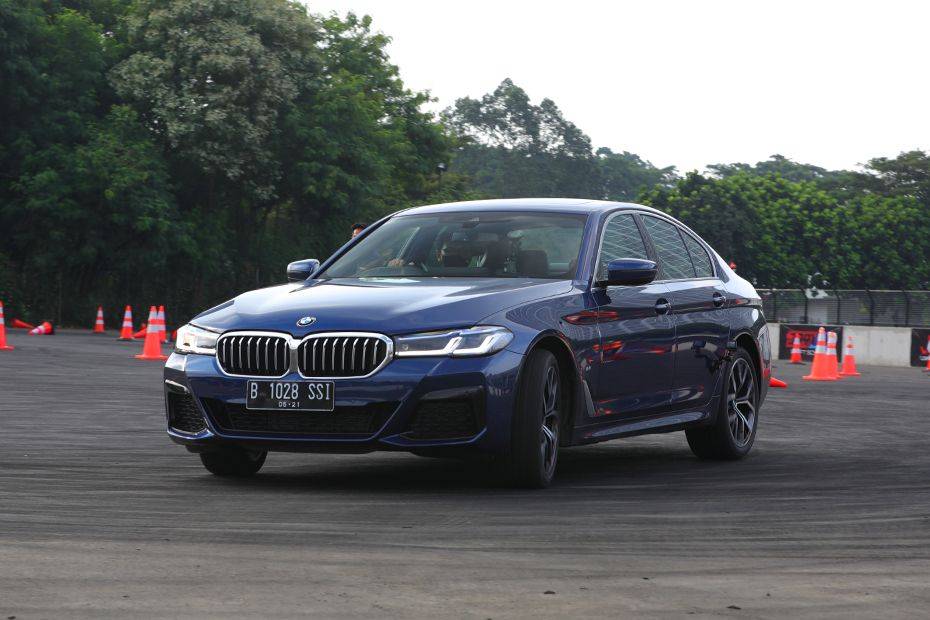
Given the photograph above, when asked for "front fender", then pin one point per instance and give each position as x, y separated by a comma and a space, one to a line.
748, 324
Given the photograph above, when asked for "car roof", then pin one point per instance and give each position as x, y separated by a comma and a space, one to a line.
557, 205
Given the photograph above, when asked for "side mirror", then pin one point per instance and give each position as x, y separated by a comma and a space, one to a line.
300, 270
630, 272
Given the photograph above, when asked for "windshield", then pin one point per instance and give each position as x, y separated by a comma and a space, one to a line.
455, 245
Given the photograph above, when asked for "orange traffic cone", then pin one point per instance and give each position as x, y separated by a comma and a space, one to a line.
45, 329
21, 324
162, 331
126, 332
796, 351
145, 326
833, 366
777, 383
3, 345
849, 360
151, 348
819, 370
98, 324
927, 369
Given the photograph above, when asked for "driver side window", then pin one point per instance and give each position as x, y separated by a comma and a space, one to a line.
621, 240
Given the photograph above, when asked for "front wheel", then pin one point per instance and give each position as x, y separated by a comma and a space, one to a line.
734, 431
233, 462
537, 422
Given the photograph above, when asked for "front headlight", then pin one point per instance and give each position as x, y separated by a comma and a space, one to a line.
193, 339
482, 340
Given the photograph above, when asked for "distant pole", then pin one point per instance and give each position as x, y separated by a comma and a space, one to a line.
440, 167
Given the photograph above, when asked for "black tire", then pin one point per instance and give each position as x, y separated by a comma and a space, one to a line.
727, 438
534, 451
233, 462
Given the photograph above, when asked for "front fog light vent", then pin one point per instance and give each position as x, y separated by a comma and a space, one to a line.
183, 414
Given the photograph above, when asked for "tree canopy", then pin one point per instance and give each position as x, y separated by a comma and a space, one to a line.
510, 147
181, 151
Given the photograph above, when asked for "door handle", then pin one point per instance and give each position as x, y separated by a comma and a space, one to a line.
662, 306
719, 300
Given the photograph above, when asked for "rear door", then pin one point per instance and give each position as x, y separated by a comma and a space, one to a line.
698, 302
636, 332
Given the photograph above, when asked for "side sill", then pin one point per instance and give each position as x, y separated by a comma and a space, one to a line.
661, 424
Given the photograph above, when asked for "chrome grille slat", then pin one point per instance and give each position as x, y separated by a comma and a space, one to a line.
253, 355
324, 355
342, 355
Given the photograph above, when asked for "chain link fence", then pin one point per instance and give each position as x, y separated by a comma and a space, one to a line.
847, 307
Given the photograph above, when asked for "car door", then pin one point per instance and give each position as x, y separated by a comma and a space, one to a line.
636, 333
698, 301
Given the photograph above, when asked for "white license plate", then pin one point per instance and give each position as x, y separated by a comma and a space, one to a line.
290, 395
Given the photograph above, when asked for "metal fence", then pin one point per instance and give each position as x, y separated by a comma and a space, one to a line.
847, 307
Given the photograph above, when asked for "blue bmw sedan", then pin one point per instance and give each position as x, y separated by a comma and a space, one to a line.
508, 328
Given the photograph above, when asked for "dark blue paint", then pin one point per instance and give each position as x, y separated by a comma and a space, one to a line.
631, 271
636, 369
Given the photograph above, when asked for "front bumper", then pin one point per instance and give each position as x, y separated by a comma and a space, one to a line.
385, 411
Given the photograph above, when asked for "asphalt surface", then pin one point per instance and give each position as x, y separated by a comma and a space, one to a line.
101, 516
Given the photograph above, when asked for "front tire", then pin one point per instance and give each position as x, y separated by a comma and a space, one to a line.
537, 422
732, 434
230, 462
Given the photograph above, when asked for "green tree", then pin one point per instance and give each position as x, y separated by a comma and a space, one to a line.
357, 144
778, 231
908, 174
280, 128
211, 79
512, 147
776, 164
625, 175
175, 151
51, 76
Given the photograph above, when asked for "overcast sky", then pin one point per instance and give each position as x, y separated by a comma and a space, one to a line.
684, 83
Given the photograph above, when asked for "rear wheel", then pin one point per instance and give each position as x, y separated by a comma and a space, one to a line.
733, 432
537, 422
233, 462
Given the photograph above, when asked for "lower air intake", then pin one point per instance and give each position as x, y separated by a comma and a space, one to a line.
364, 420
183, 414
440, 416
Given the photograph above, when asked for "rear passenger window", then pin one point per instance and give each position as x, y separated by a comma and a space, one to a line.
621, 240
699, 256
674, 260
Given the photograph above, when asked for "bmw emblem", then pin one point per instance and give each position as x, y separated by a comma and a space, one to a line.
306, 320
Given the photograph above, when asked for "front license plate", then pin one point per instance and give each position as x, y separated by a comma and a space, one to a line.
290, 395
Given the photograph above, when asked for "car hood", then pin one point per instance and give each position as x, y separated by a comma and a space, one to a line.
387, 306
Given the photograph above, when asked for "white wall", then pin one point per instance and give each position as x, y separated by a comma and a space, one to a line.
875, 346
880, 346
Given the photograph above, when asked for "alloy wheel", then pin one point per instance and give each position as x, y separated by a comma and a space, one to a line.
549, 432
741, 402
